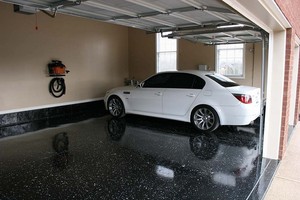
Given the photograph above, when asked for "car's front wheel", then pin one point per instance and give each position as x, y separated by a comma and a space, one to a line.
205, 118
116, 107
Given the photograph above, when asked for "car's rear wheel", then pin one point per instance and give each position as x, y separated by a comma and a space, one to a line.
205, 118
116, 107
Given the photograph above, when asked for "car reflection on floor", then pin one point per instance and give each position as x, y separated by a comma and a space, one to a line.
61, 146
133, 158
222, 155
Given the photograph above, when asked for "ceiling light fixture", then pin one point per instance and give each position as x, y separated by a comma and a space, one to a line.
231, 26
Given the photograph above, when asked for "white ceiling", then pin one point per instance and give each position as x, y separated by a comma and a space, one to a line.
205, 21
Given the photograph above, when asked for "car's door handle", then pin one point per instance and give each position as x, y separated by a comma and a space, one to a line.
191, 95
158, 93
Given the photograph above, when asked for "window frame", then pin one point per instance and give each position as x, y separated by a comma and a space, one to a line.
157, 52
243, 76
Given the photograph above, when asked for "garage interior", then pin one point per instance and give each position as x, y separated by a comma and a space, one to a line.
138, 157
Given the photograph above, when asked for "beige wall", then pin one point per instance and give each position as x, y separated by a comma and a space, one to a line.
96, 53
142, 56
190, 55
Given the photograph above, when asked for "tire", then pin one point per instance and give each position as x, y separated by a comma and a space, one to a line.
116, 128
61, 143
205, 118
57, 87
116, 107
205, 146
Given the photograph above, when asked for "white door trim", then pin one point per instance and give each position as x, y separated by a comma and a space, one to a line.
267, 15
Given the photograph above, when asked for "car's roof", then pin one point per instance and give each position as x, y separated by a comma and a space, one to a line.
195, 72
198, 72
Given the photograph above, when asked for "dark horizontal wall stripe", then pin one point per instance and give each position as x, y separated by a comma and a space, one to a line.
22, 122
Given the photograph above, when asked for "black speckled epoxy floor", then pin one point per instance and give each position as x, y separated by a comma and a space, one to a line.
133, 158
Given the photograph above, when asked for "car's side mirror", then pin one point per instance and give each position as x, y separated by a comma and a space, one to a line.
140, 85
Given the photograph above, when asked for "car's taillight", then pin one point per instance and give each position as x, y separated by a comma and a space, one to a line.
244, 98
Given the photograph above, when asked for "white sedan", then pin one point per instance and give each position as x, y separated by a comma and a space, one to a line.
206, 99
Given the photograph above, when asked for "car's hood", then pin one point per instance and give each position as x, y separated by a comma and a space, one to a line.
122, 88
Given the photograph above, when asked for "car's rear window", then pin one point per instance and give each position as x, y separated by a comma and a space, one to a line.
222, 80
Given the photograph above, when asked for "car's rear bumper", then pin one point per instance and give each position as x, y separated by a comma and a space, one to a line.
238, 115
240, 120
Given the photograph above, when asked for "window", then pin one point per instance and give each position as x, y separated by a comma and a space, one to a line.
185, 81
166, 54
174, 80
157, 81
230, 60
199, 83
222, 80
180, 81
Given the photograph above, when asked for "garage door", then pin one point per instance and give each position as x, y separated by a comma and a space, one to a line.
206, 21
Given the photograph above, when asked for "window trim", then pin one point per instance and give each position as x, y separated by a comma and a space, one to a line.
244, 64
156, 53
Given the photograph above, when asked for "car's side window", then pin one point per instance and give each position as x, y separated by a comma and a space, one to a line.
181, 81
157, 81
174, 80
199, 83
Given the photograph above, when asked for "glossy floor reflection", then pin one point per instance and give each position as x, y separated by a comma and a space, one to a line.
133, 158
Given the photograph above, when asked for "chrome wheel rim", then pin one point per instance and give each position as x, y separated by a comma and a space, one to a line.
197, 143
115, 107
204, 119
